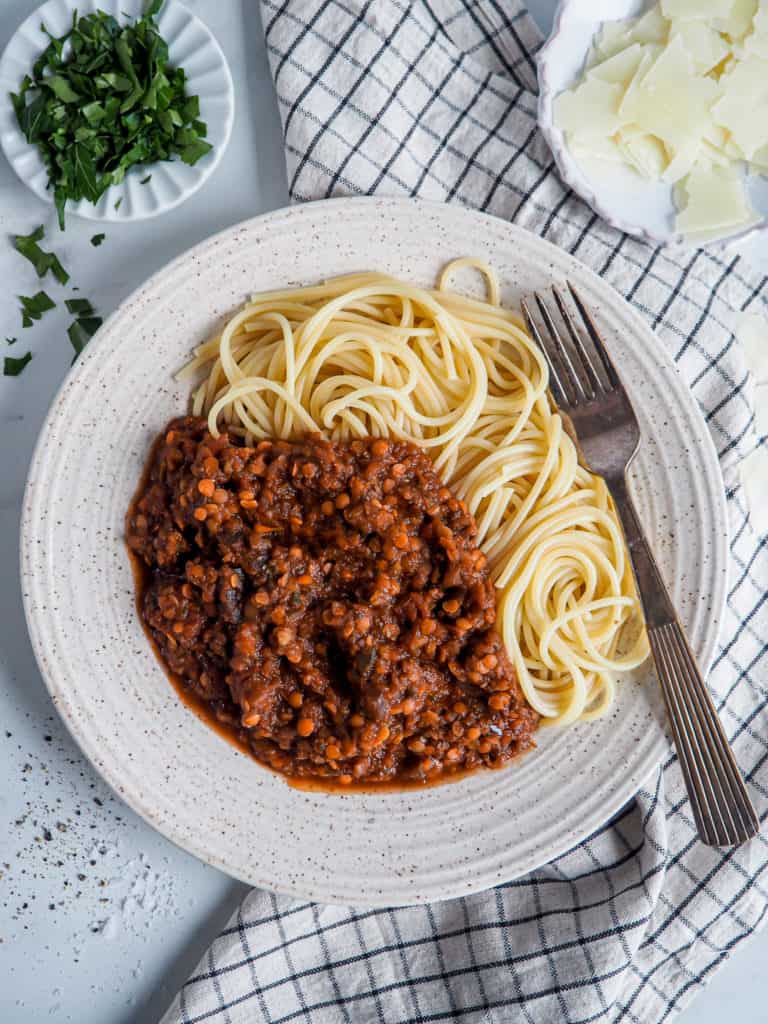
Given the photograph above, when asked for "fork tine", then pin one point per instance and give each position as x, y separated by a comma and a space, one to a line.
594, 334
558, 391
574, 377
598, 388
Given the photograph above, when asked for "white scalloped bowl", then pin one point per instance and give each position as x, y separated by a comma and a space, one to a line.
617, 194
190, 46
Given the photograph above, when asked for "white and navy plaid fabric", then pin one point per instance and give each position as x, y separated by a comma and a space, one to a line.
437, 98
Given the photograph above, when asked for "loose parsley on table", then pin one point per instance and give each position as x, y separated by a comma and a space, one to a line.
80, 307
85, 326
41, 261
107, 102
13, 367
96, 240
34, 307
82, 330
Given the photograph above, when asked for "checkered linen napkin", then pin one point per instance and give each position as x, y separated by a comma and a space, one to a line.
437, 98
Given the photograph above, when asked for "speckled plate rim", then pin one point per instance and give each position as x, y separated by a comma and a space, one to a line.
192, 44
473, 877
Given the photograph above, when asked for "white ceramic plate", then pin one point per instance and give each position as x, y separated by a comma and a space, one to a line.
170, 767
618, 195
190, 45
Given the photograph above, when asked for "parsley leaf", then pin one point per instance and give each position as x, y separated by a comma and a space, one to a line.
82, 330
80, 307
191, 153
41, 261
97, 240
34, 307
13, 367
11, 341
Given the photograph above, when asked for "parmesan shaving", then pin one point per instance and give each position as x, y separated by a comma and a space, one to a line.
756, 43
621, 68
739, 21
743, 109
597, 149
644, 152
706, 46
680, 96
715, 200
592, 109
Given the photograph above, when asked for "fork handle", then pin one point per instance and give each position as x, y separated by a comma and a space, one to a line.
722, 808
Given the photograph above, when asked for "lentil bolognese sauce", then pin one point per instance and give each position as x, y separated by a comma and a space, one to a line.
328, 604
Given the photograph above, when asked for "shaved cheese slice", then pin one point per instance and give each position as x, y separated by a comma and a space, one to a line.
652, 27
743, 107
716, 135
734, 151
644, 152
713, 155
673, 66
680, 96
715, 199
696, 8
673, 104
614, 37
596, 149
683, 159
649, 56
620, 68
589, 110
748, 78
706, 47
703, 237
756, 44
739, 21
593, 57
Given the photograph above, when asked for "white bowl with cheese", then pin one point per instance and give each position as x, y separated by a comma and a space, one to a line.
661, 123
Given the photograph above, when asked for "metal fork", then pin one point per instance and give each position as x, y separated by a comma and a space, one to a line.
587, 388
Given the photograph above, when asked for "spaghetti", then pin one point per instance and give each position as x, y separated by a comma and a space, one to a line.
369, 355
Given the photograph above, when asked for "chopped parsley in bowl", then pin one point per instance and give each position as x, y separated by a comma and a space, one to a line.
102, 98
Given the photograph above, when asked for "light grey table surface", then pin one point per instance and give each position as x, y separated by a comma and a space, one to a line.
101, 919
